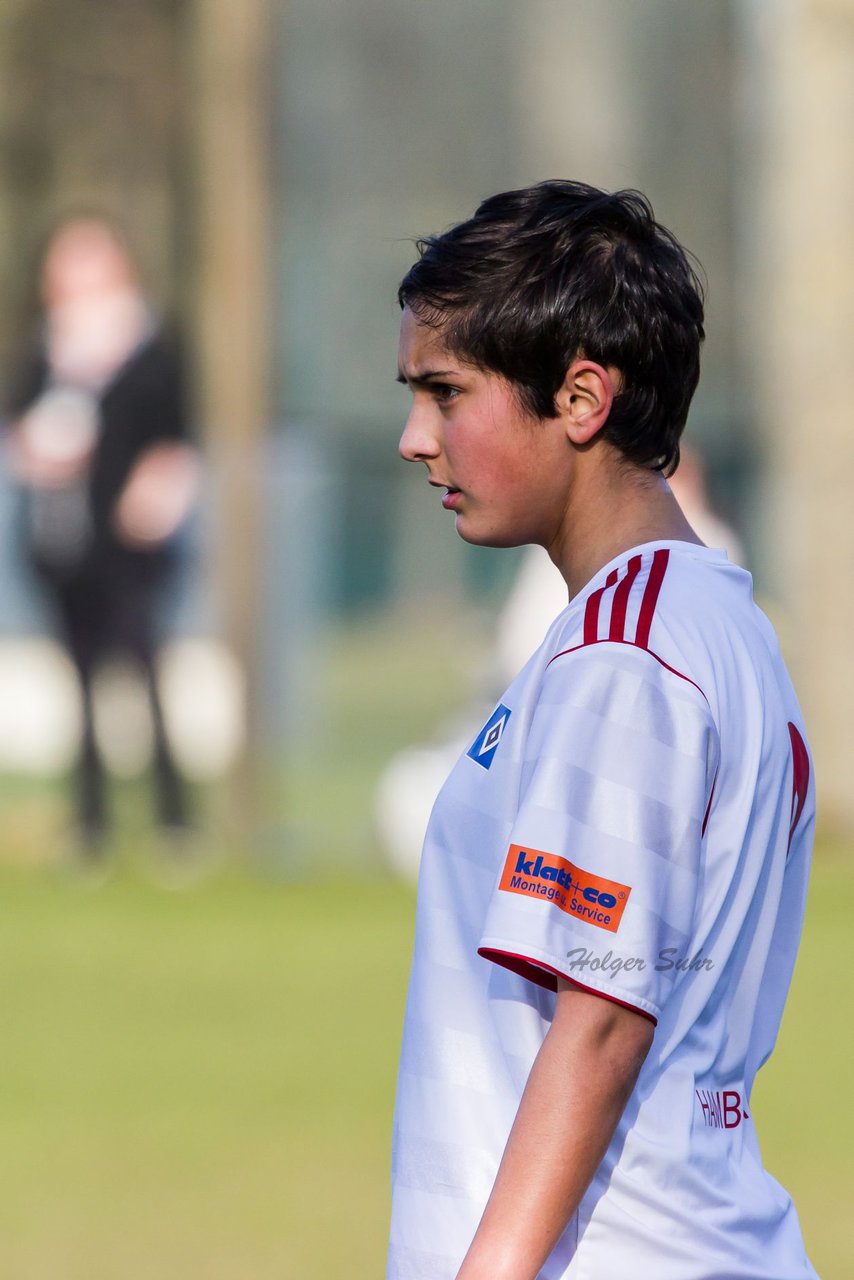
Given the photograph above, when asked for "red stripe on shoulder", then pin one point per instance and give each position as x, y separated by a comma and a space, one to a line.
621, 600
591, 613
650, 596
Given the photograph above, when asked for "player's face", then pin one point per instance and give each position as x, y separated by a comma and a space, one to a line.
505, 473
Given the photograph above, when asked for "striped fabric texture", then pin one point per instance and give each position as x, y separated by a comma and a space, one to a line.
637, 819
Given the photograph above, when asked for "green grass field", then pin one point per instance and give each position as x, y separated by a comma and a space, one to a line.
200, 1083
197, 1084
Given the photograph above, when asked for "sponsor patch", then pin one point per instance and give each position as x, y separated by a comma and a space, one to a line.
486, 743
579, 893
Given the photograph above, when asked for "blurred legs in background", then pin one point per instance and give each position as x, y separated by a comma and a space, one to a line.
100, 619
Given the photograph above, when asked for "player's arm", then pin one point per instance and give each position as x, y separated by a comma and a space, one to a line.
579, 1085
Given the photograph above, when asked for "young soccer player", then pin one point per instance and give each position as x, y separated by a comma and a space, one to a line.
614, 874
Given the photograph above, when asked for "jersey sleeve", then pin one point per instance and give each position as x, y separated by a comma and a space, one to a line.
599, 881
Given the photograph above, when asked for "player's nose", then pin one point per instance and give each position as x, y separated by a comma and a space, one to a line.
419, 440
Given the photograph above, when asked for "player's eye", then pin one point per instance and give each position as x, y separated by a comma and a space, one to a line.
443, 393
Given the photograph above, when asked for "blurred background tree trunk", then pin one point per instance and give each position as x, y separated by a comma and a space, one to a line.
232, 113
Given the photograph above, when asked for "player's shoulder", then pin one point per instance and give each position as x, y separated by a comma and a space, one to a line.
666, 607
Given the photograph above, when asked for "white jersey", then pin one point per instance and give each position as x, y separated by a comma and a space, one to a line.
637, 816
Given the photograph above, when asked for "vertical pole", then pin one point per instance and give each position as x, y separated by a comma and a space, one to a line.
803, 305
230, 42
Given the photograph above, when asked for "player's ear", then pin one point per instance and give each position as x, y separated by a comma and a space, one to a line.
586, 397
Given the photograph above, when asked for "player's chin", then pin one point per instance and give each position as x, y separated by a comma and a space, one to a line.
483, 535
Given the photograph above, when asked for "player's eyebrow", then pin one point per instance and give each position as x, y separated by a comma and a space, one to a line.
422, 379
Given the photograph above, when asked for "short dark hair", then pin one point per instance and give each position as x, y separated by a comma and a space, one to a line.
542, 275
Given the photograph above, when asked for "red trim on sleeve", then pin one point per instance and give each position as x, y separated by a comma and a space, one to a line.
621, 600
650, 597
543, 975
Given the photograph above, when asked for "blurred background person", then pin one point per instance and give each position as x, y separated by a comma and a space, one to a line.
99, 444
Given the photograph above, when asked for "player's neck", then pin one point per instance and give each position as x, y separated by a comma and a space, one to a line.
612, 508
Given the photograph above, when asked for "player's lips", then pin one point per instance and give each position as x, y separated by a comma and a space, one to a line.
452, 495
